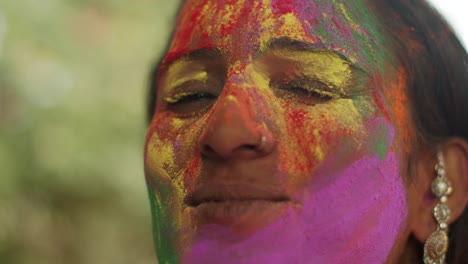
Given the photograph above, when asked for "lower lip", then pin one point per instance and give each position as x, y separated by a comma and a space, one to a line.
241, 215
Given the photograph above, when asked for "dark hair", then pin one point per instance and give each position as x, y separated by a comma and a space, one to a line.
436, 65
437, 84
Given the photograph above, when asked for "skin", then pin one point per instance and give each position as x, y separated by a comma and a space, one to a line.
325, 183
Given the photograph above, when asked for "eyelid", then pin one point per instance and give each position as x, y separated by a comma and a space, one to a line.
178, 96
324, 66
189, 104
196, 76
315, 85
209, 87
186, 85
322, 92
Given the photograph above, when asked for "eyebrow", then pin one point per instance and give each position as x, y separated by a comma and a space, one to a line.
165, 62
206, 53
286, 43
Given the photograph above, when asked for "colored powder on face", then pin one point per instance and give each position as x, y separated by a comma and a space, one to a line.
318, 151
338, 223
324, 66
291, 27
241, 26
335, 23
310, 134
398, 103
177, 97
196, 76
159, 161
160, 156
353, 210
379, 139
167, 160
163, 231
354, 25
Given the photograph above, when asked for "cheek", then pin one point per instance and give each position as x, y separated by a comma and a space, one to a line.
171, 157
363, 208
310, 133
162, 145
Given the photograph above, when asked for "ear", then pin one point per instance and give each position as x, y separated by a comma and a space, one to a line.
420, 198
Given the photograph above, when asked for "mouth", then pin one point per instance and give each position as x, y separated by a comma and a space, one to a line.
227, 200
242, 216
232, 210
243, 209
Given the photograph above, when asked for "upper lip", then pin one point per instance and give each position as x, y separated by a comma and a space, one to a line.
237, 191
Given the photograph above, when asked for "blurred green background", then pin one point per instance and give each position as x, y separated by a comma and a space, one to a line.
73, 76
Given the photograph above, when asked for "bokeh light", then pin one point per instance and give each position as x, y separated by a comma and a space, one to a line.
73, 78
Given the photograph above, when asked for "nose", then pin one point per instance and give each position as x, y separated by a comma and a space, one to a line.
233, 131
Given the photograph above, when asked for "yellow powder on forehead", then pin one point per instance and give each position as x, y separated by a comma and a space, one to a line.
292, 27
267, 24
265, 19
287, 25
206, 25
228, 13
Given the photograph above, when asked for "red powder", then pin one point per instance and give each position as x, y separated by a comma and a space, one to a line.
297, 117
192, 170
376, 84
281, 7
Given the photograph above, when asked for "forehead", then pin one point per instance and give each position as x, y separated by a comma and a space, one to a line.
242, 27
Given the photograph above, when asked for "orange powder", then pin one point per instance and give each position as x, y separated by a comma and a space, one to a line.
396, 96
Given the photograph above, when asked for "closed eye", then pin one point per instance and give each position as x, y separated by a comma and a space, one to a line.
189, 103
307, 91
184, 98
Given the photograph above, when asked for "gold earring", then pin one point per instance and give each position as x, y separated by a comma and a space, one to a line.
436, 246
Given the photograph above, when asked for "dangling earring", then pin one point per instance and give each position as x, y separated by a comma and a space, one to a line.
436, 245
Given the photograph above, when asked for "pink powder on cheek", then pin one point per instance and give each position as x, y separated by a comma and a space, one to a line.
360, 214
355, 219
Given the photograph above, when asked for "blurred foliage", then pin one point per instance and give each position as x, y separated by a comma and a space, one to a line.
73, 76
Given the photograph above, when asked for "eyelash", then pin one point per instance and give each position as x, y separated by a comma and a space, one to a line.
183, 98
307, 91
188, 104
311, 91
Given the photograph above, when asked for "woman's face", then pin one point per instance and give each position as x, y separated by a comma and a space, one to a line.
277, 136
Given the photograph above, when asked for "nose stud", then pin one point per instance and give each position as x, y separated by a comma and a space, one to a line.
263, 142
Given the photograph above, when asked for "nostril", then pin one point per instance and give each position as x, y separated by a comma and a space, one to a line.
226, 142
220, 152
208, 150
251, 147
